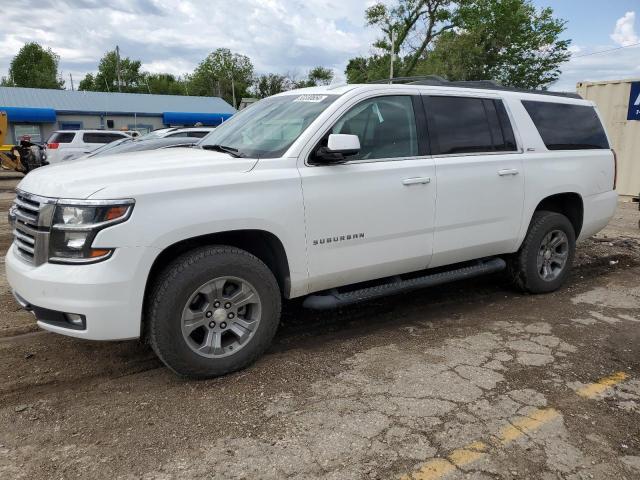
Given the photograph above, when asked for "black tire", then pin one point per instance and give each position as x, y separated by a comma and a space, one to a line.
174, 287
523, 266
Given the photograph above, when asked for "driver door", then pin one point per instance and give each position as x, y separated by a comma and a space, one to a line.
373, 215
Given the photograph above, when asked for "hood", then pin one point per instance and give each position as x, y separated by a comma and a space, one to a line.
126, 174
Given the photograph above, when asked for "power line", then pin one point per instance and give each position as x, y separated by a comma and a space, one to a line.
605, 51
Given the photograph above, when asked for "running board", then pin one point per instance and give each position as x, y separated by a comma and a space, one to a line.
334, 299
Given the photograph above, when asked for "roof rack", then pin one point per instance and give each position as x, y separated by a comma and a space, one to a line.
435, 80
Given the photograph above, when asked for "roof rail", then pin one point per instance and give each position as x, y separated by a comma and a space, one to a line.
435, 80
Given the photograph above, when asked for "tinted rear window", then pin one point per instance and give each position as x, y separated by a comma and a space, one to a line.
567, 127
469, 125
60, 137
96, 137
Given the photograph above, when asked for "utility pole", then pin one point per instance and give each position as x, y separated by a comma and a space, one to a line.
71, 79
393, 55
233, 91
118, 67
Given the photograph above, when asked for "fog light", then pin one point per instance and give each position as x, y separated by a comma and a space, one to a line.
75, 319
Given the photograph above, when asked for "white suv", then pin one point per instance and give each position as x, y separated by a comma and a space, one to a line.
71, 144
309, 193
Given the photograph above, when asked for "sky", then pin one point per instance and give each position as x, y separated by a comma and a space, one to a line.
280, 36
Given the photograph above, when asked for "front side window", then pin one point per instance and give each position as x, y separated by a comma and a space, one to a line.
565, 126
270, 126
386, 127
461, 125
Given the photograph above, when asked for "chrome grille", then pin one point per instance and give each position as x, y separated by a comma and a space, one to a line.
31, 217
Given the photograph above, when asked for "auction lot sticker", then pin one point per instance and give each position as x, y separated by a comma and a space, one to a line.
310, 98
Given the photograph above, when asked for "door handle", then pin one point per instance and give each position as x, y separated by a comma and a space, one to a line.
508, 171
416, 181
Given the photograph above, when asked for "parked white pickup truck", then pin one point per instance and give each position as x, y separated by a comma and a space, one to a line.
309, 193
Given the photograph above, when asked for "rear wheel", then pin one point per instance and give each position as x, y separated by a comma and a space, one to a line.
212, 311
544, 260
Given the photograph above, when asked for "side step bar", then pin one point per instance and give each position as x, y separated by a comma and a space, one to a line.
334, 299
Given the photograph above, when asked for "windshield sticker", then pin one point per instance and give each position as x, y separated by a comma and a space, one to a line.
310, 98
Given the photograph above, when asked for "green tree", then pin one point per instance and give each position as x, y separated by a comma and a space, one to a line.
271, 84
34, 67
367, 69
316, 76
163, 84
222, 74
506, 40
510, 41
415, 24
106, 79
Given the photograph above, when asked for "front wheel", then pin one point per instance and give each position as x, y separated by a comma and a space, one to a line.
212, 311
544, 260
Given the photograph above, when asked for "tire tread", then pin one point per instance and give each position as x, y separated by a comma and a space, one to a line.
162, 287
521, 276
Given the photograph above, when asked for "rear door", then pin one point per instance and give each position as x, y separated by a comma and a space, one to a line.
480, 177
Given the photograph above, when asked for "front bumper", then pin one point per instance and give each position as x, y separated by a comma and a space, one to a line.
108, 294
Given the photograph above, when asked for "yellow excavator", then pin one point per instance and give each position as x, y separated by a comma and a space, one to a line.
23, 157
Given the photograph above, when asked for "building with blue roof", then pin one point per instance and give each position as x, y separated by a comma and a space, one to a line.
39, 112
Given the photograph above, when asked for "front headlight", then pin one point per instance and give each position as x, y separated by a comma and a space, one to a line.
76, 224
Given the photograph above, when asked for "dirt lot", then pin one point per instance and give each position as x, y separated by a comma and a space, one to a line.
469, 380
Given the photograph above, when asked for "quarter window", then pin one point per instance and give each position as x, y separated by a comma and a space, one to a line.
97, 137
386, 127
565, 126
61, 137
468, 125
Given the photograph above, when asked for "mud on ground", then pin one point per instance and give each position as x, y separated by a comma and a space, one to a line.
468, 380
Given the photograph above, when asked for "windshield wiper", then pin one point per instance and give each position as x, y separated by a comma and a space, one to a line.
222, 148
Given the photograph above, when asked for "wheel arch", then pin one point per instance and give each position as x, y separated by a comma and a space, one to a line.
569, 204
263, 244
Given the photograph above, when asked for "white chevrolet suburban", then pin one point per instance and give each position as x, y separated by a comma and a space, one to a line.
340, 194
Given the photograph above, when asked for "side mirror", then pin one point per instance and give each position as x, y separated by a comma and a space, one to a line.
339, 146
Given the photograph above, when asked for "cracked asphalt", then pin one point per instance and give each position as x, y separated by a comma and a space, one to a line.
470, 380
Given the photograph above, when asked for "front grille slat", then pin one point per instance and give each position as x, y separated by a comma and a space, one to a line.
31, 223
29, 206
25, 238
28, 219
23, 246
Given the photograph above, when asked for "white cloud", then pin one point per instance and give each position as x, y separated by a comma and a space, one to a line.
624, 33
611, 65
175, 35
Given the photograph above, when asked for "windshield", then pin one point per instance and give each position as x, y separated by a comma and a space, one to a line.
267, 128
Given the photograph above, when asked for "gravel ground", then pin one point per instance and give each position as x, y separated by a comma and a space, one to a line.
468, 380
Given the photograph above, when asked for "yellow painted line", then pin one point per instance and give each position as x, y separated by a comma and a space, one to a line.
468, 454
594, 389
524, 425
432, 470
439, 467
